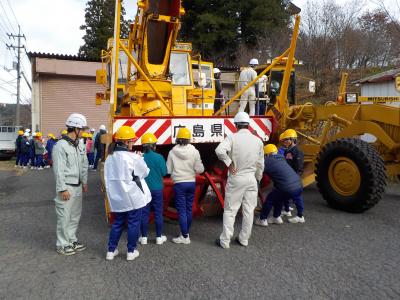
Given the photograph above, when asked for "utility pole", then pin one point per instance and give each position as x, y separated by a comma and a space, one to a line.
18, 47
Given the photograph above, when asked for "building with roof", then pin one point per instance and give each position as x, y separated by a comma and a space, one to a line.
381, 84
61, 85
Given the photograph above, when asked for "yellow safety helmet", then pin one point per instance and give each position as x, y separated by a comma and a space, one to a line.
89, 135
148, 138
38, 134
64, 132
288, 134
184, 133
125, 133
84, 134
50, 135
20, 132
270, 148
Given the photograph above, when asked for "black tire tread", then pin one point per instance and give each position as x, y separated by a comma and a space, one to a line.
373, 176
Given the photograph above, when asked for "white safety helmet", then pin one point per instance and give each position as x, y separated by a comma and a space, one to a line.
26, 134
241, 117
216, 71
34, 134
253, 62
92, 130
76, 121
27, 130
102, 127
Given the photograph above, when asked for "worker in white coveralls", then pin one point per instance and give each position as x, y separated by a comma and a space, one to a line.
243, 153
247, 75
71, 172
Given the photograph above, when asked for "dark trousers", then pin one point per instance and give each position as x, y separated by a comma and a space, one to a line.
32, 159
260, 108
275, 200
39, 160
132, 217
217, 104
286, 205
156, 205
18, 157
90, 157
99, 156
24, 159
184, 196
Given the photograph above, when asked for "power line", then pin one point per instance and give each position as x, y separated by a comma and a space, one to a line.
16, 20
7, 82
3, 26
6, 15
8, 91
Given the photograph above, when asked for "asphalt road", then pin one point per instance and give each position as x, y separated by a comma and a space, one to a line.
334, 255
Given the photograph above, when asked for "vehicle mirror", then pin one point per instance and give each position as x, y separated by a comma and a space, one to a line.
311, 86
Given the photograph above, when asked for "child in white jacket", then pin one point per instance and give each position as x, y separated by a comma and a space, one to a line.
127, 191
183, 164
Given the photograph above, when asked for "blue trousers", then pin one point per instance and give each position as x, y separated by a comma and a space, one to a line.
276, 198
286, 204
18, 158
156, 205
131, 217
90, 157
260, 108
184, 196
23, 161
39, 160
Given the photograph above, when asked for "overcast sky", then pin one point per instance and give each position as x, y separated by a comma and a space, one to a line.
52, 26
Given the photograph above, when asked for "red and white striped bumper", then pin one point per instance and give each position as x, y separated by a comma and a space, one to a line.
204, 129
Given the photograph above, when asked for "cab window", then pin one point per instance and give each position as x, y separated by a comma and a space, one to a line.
206, 70
179, 68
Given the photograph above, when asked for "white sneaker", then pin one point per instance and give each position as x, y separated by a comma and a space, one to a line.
297, 219
47, 167
33, 168
15, 166
161, 240
24, 167
181, 240
143, 240
286, 213
111, 255
40, 168
261, 222
277, 220
132, 255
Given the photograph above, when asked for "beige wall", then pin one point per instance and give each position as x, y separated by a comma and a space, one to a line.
61, 87
62, 95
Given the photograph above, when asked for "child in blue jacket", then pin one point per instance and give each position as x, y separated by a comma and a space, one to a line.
158, 169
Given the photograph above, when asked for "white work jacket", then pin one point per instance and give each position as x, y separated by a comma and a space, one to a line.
247, 75
123, 193
246, 152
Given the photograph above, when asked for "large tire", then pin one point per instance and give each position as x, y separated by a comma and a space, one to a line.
357, 161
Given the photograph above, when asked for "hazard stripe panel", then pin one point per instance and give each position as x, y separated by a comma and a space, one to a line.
204, 130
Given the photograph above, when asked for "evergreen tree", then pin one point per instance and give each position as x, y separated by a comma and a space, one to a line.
99, 27
217, 27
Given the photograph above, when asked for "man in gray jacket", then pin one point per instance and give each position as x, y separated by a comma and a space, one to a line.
243, 154
71, 172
